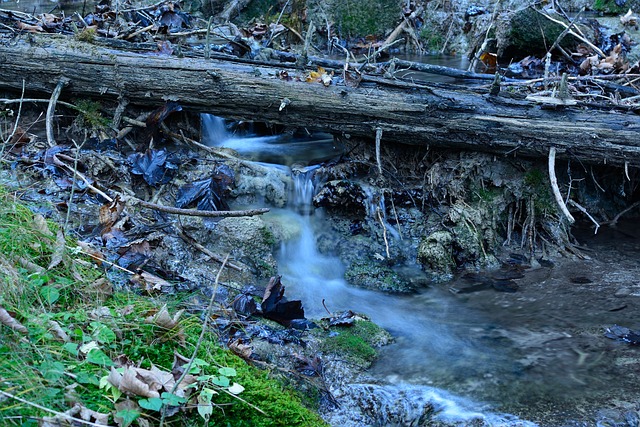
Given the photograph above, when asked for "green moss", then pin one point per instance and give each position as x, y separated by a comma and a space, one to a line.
354, 18
537, 188
610, 6
373, 275
90, 115
42, 368
356, 343
432, 38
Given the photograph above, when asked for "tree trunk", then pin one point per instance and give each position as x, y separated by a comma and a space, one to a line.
406, 113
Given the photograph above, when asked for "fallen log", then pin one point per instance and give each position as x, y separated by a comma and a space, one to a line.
406, 113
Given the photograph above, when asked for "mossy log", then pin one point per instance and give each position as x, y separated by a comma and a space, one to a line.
437, 116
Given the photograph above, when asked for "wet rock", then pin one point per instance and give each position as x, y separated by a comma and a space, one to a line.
245, 305
249, 240
255, 183
435, 253
345, 196
374, 275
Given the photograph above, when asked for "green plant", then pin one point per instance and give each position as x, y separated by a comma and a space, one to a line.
65, 340
90, 115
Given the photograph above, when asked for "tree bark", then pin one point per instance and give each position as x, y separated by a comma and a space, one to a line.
409, 114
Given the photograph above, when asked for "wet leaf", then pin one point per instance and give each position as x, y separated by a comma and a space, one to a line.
151, 165
208, 194
8, 320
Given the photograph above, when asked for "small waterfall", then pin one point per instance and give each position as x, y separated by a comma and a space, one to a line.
214, 131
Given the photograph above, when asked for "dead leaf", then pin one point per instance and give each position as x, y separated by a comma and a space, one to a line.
130, 383
240, 349
78, 412
29, 28
150, 283
58, 251
171, 324
40, 224
8, 320
110, 213
95, 254
628, 19
58, 332
157, 379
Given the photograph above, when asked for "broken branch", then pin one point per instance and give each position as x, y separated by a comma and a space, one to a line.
554, 185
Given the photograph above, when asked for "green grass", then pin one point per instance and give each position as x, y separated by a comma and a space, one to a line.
43, 369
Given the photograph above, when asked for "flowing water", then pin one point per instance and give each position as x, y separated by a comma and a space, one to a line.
539, 353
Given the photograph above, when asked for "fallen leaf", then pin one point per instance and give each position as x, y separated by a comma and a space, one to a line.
236, 388
152, 166
150, 283
127, 411
132, 384
58, 331
157, 379
8, 320
110, 213
58, 250
29, 28
240, 349
78, 412
40, 224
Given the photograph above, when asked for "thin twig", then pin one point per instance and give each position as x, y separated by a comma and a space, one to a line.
615, 219
584, 211
206, 251
195, 212
384, 232
15, 125
59, 414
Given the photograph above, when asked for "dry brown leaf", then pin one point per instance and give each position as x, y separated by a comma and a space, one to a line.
78, 412
130, 383
58, 332
164, 319
240, 349
628, 19
95, 417
95, 254
110, 213
29, 28
102, 287
8, 320
58, 251
150, 283
40, 224
157, 379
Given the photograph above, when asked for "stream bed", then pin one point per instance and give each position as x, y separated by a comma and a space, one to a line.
537, 356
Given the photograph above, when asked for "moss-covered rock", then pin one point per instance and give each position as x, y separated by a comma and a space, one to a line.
355, 18
435, 253
371, 274
527, 32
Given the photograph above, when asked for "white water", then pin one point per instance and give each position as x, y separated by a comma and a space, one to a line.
502, 352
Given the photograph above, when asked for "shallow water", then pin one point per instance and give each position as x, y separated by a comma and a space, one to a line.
539, 354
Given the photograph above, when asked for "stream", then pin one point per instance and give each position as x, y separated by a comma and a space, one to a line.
534, 357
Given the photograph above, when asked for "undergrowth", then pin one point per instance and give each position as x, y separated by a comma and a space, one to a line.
65, 329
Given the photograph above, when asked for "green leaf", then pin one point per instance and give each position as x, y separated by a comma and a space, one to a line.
87, 378
52, 371
50, 294
152, 403
102, 333
196, 366
227, 372
221, 381
71, 348
205, 410
128, 416
206, 395
98, 357
172, 400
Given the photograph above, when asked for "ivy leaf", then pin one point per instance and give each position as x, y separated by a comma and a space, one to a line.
205, 410
102, 333
152, 404
52, 371
71, 347
98, 357
221, 381
126, 417
50, 294
172, 399
227, 372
